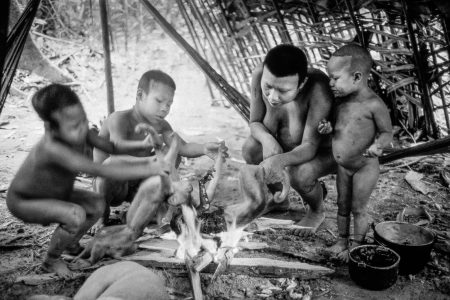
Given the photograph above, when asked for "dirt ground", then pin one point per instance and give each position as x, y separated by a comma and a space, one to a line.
199, 117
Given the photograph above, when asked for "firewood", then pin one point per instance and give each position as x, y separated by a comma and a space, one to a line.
255, 266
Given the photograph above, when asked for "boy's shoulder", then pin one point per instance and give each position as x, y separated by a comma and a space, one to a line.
317, 80
119, 115
317, 75
121, 118
373, 100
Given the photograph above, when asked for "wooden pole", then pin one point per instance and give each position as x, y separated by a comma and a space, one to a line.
428, 148
195, 39
107, 56
244, 51
215, 48
285, 36
440, 88
356, 23
427, 103
125, 11
229, 55
4, 18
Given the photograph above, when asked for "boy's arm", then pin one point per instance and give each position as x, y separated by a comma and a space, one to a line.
120, 170
384, 129
257, 112
118, 146
192, 150
319, 109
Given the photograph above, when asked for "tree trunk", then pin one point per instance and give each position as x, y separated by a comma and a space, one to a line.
32, 59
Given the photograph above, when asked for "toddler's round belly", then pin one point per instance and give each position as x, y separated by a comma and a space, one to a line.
348, 158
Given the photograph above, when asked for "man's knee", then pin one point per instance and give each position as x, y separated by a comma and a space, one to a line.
75, 219
252, 151
303, 178
98, 206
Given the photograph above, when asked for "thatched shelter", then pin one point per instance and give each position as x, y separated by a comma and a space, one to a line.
409, 41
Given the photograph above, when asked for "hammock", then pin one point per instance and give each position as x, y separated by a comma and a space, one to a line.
14, 46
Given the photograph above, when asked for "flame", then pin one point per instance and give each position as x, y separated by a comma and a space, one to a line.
191, 241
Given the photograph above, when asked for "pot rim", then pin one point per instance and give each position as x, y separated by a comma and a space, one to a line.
397, 244
397, 262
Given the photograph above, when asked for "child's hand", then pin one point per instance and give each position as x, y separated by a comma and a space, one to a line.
153, 139
212, 150
373, 151
325, 127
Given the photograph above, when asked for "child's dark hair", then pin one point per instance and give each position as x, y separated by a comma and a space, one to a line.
361, 59
52, 98
157, 76
287, 60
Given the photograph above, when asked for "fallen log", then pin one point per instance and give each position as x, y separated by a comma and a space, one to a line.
428, 148
255, 266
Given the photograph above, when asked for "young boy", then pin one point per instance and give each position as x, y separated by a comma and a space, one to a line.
362, 130
43, 191
154, 98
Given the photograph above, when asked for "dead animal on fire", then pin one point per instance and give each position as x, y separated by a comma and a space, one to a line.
259, 189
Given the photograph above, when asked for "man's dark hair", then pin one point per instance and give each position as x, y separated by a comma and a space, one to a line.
360, 57
157, 76
287, 60
53, 98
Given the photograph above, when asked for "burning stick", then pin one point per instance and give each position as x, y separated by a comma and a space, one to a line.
194, 276
201, 261
223, 258
195, 265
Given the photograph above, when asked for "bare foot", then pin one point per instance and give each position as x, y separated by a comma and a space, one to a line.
343, 256
58, 266
341, 245
80, 264
96, 227
309, 224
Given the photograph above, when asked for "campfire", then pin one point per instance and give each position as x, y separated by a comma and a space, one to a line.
199, 250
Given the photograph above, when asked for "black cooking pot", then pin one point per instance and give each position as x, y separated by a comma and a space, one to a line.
413, 243
373, 267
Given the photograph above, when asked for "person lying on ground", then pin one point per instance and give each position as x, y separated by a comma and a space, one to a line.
361, 131
154, 99
42, 190
288, 101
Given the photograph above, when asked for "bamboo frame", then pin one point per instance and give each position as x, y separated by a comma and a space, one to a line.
394, 41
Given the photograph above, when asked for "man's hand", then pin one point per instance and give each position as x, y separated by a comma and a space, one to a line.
271, 148
373, 151
325, 127
273, 169
213, 149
